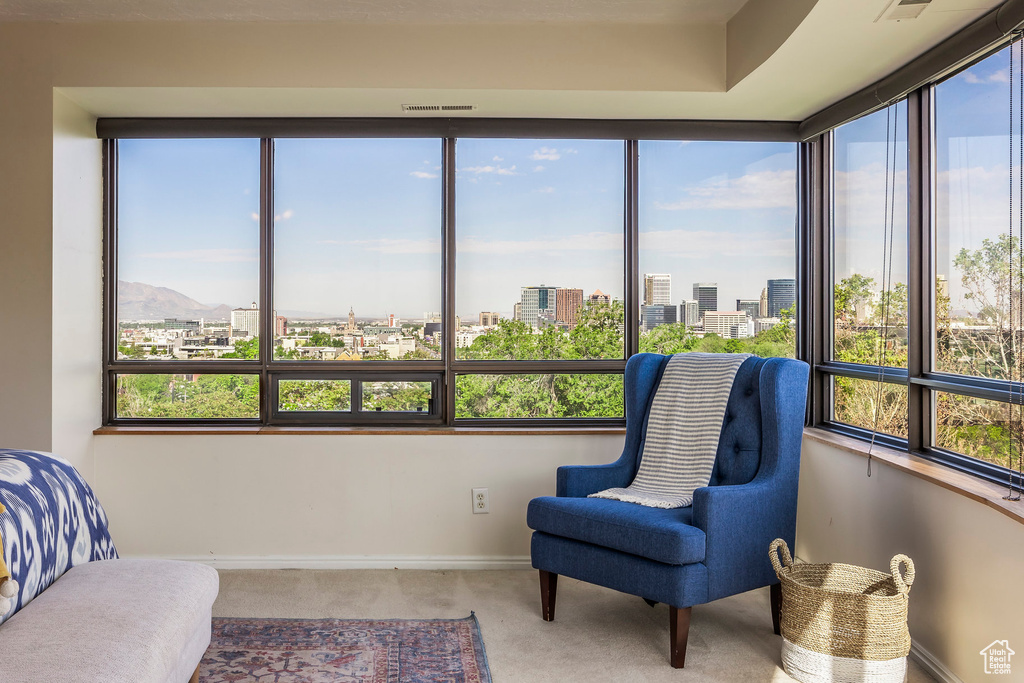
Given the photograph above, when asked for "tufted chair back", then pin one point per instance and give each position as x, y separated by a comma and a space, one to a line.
739, 447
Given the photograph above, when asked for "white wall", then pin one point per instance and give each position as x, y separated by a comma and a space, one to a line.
334, 501
77, 282
969, 558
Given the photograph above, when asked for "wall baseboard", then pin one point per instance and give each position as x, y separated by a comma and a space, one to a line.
932, 665
357, 561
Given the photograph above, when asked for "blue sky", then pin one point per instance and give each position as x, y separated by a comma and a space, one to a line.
972, 162
358, 221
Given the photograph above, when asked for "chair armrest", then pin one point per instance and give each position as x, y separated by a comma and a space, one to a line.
740, 522
579, 481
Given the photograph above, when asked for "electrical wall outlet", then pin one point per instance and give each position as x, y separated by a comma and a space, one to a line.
481, 502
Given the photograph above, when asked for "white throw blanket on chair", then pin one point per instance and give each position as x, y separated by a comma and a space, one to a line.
682, 431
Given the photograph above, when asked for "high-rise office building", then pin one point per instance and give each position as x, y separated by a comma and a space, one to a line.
706, 294
567, 305
246, 321
657, 289
689, 312
728, 324
280, 326
781, 295
751, 307
537, 302
599, 297
764, 303
489, 318
655, 314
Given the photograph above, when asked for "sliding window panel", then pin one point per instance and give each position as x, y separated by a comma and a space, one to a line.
357, 249
297, 396
539, 396
540, 269
869, 238
871, 405
972, 222
187, 249
191, 396
397, 396
718, 247
978, 428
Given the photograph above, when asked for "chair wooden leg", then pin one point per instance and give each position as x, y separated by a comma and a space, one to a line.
679, 627
195, 676
776, 594
548, 588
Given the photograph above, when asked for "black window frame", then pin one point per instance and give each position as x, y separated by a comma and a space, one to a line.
920, 377
442, 373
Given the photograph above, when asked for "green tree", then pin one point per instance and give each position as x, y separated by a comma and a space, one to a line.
249, 349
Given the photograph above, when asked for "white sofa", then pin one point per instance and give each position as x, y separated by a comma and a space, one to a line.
81, 618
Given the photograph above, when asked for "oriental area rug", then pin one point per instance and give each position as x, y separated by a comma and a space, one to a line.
345, 651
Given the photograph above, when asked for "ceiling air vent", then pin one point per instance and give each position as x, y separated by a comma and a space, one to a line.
902, 9
417, 108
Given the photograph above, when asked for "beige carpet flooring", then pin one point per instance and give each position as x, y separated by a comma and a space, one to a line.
598, 634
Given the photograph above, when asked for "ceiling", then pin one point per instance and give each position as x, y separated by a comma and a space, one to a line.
771, 60
377, 11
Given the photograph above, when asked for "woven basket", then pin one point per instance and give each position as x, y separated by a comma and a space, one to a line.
840, 622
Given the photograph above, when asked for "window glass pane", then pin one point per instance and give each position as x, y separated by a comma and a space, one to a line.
976, 427
357, 249
718, 247
187, 247
540, 249
972, 215
870, 192
589, 395
397, 397
859, 402
187, 396
314, 395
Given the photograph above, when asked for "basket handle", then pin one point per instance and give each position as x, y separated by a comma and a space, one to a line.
787, 559
902, 584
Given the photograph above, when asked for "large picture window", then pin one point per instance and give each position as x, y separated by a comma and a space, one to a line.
417, 280
923, 269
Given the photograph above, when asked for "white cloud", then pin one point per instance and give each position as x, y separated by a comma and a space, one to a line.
759, 190
255, 216
497, 170
497, 158
698, 244
594, 241
423, 174
392, 246
546, 190
546, 154
284, 215
1001, 76
538, 169
207, 255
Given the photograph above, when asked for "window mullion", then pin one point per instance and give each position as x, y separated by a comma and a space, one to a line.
920, 277
631, 247
448, 327
266, 328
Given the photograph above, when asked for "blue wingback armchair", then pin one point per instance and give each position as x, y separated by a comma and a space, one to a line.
685, 556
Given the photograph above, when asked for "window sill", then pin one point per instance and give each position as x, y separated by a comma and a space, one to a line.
165, 430
949, 479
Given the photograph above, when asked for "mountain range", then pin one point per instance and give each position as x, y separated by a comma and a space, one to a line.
139, 301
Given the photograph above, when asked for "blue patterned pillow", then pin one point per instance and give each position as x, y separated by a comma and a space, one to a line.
53, 521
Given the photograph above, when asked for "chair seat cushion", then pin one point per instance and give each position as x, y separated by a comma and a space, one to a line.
113, 621
657, 534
